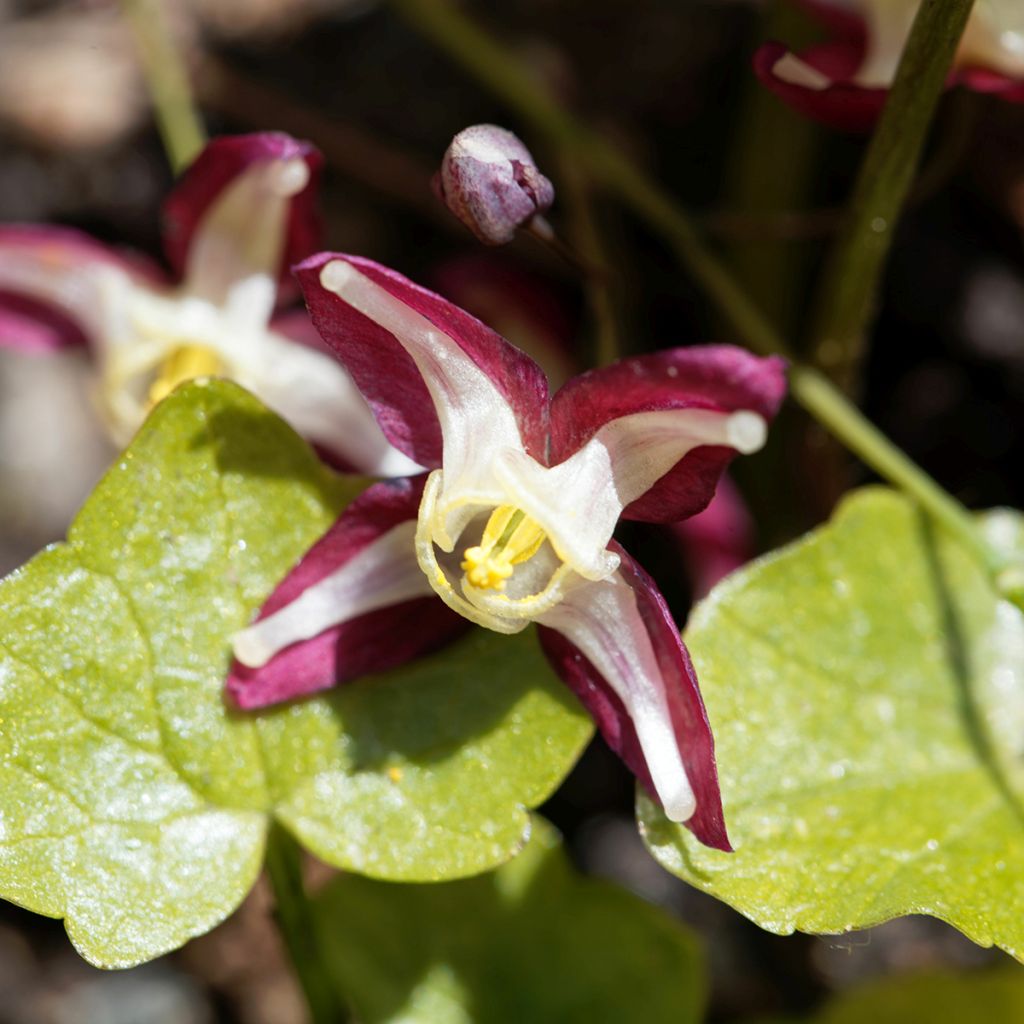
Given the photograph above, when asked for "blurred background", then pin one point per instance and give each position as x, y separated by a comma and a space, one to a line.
669, 80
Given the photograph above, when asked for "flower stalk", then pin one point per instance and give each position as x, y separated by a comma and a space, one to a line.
167, 79
846, 298
297, 927
491, 64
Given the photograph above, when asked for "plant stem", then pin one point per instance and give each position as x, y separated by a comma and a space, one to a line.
485, 58
180, 127
846, 299
297, 928
598, 280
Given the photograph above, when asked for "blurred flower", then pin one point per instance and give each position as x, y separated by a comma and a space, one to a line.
242, 213
489, 180
70, 79
844, 82
513, 524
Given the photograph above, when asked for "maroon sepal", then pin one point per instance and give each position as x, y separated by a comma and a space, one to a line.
719, 377
387, 375
374, 642
220, 162
689, 718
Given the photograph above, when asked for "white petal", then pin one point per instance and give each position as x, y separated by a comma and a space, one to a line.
579, 501
476, 420
315, 394
383, 573
235, 252
602, 620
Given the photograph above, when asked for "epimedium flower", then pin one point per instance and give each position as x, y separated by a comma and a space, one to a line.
513, 522
238, 218
844, 81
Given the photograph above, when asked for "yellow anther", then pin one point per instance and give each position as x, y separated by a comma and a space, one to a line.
184, 363
510, 537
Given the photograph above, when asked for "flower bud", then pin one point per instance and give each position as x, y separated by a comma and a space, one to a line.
489, 180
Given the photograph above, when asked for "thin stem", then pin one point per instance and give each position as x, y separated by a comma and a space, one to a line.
180, 127
598, 280
846, 300
488, 61
295, 922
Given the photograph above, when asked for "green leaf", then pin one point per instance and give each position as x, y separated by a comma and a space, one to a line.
866, 687
995, 997
533, 941
134, 804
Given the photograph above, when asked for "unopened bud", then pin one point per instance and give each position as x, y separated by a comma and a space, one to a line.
489, 180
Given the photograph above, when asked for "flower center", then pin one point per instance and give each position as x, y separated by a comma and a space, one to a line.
183, 364
510, 537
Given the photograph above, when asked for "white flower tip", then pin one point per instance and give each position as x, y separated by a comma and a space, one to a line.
746, 431
289, 177
250, 649
680, 807
337, 276
793, 70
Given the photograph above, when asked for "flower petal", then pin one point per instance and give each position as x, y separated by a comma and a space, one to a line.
615, 645
654, 416
245, 208
355, 604
304, 383
421, 361
52, 286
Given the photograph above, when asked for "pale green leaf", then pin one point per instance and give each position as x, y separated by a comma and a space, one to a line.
135, 805
866, 689
994, 997
533, 941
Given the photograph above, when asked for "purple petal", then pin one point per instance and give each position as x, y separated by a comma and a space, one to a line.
387, 375
372, 642
49, 288
220, 163
689, 722
716, 377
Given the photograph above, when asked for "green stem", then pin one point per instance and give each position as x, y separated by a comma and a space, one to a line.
180, 127
488, 61
846, 299
598, 280
297, 928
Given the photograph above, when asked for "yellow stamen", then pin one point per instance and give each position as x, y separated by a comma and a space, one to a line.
510, 537
184, 363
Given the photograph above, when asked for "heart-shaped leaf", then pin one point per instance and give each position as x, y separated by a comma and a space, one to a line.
866, 688
533, 941
134, 803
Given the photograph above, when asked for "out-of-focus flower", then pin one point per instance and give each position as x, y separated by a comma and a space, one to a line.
718, 540
489, 180
70, 80
239, 217
513, 524
844, 82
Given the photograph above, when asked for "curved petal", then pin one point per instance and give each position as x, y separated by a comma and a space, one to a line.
615, 645
245, 209
355, 604
312, 391
817, 83
521, 306
52, 290
426, 367
668, 423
